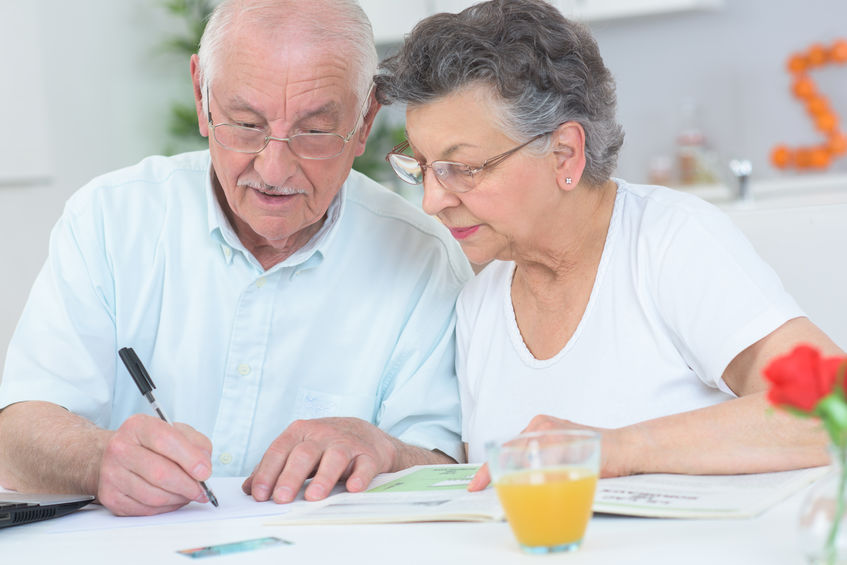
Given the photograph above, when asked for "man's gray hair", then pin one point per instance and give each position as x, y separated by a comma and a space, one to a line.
328, 22
541, 69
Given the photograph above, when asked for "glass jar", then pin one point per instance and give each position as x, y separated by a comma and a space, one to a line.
822, 528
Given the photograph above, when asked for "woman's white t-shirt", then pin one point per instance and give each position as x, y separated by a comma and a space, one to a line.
678, 294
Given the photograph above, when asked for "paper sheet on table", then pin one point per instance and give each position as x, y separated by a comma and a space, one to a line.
699, 496
233, 504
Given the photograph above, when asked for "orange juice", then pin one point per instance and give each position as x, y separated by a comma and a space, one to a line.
548, 507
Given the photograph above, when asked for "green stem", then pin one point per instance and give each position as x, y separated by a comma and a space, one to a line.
831, 553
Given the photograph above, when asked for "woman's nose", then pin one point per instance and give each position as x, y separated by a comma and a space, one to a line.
436, 198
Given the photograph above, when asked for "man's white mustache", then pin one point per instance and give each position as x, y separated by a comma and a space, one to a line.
269, 189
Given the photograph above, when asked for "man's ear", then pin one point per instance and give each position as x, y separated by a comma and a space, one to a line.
202, 117
367, 123
569, 148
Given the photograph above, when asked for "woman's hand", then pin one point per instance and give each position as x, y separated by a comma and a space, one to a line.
614, 461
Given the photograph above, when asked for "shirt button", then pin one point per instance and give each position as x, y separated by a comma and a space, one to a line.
244, 369
227, 252
261, 282
225, 458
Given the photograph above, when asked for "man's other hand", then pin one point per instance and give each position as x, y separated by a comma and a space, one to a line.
327, 449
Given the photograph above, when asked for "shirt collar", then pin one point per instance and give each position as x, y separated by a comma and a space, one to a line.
310, 255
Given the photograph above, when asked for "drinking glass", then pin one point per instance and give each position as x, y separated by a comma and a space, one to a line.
546, 483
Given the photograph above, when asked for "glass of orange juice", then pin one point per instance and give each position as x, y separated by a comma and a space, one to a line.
546, 482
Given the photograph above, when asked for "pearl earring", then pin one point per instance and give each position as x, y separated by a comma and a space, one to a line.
568, 180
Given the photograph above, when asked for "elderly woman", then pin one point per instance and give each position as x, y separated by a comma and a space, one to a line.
634, 309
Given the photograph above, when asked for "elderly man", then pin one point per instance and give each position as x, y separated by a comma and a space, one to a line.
297, 317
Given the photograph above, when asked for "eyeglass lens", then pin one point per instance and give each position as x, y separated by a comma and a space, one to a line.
452, 176
245, 139
253, 140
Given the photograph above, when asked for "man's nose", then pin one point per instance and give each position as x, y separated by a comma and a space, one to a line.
276, 163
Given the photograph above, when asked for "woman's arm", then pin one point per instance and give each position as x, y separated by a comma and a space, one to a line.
743, 435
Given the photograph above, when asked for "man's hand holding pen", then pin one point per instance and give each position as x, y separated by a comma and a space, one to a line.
161, 462
151, 467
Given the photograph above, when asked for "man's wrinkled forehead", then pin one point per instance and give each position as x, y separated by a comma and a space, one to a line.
295, 56
290, 68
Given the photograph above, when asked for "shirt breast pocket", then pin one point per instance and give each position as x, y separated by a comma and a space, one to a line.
312, 403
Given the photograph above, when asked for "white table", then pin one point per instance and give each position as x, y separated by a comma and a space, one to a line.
770, 538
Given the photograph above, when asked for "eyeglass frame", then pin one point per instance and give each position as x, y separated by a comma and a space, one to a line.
487, 164
287, 140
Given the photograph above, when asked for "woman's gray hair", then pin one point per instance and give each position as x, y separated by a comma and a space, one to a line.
542, 70
326, 21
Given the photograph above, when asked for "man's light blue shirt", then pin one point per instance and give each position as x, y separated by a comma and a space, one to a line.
359, 322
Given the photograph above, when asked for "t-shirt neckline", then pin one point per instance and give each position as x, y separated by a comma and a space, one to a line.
523, 352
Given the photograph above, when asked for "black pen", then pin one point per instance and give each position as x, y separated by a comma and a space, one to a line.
145, 385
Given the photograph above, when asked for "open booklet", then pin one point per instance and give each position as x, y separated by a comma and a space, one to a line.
425, 493
437, 493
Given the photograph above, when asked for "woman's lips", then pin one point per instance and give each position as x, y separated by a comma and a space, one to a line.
462, 233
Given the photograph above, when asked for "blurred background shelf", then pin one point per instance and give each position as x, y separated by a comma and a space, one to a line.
787, 191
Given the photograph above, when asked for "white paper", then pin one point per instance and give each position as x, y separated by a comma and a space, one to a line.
233, 504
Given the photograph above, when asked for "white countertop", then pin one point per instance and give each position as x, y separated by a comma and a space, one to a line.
791, 190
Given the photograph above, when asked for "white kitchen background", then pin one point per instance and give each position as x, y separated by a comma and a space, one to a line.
86, 88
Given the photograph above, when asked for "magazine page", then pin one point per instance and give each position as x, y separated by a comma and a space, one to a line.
699, 496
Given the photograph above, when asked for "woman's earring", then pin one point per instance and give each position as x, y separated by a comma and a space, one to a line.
568, 180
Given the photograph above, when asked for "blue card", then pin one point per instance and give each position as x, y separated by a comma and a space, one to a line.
233, 547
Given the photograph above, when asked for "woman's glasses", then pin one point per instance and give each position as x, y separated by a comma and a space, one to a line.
455, 177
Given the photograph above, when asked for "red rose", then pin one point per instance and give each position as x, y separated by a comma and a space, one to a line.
801, 378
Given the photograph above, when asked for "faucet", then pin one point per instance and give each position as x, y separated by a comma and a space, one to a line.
742, 168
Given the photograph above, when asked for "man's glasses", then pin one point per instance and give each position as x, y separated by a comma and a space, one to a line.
455, 177
246, 139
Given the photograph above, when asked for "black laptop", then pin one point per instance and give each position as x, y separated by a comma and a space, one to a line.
19, 508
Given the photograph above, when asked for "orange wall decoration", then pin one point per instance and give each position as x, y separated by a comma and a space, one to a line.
817, 105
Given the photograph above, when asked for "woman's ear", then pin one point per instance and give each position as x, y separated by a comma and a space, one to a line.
569, 149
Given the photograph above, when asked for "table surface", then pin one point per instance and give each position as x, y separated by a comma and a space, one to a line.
770, 538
